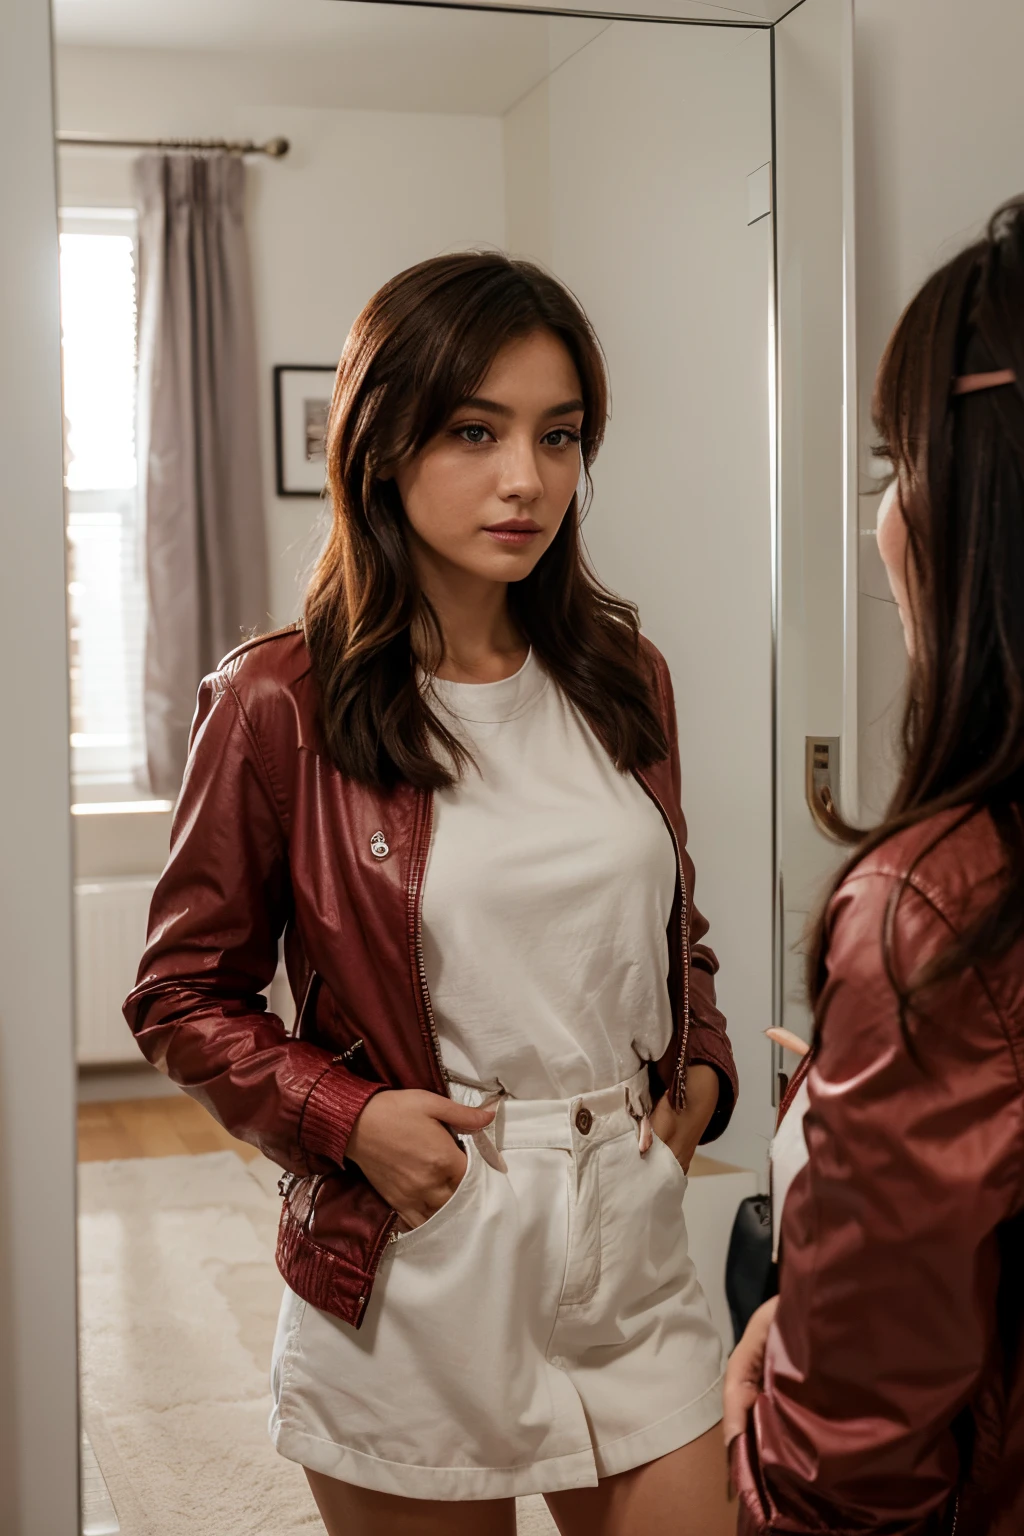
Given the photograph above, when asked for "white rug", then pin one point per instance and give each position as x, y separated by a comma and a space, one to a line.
179, 1296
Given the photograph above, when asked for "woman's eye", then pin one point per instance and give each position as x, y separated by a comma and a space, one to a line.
472, 433
561, 437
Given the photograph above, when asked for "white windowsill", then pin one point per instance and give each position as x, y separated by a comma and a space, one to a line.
121, 807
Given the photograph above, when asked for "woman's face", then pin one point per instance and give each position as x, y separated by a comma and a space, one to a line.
894, 548
486, 496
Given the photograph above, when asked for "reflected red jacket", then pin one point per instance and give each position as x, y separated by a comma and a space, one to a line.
268, 839
893, 1393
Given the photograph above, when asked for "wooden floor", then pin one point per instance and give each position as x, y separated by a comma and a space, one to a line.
160, 1127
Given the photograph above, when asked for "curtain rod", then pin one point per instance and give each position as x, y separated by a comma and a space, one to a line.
275, 148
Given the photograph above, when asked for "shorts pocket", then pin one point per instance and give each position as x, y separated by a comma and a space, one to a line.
668, 1155
405, 1241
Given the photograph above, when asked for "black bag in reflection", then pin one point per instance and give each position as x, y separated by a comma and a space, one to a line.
750, 1275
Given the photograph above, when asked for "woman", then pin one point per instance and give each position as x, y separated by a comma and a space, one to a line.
456, 792
884, 1389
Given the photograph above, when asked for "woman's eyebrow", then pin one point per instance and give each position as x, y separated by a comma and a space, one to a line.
478, 402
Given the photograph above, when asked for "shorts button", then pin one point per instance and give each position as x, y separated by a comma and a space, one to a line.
584, 1120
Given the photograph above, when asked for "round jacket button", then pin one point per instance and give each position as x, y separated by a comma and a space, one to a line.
584, 1120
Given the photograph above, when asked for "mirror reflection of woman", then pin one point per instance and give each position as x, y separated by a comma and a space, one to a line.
884, 1389
455, 791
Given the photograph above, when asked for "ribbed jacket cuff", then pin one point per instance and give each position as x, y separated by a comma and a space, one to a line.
708, 1048
332, 1107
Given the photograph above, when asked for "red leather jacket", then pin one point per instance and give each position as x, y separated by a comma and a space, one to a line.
269, 838
894, 1378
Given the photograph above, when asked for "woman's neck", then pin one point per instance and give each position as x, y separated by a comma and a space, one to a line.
480, 641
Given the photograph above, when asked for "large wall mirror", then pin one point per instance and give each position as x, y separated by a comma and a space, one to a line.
688, 174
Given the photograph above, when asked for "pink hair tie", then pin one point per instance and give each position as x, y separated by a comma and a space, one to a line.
970, 383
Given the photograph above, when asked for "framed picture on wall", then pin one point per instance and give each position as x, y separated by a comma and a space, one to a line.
302, 398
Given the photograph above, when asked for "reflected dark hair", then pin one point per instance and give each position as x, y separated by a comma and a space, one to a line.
422, 346
959, 462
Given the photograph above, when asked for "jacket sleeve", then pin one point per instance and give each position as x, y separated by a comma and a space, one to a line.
889, 1258
708, 1041
217, 913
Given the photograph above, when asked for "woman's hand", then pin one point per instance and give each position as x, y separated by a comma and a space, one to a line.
401, 1142
682, 1129
744, 1375
788, 1041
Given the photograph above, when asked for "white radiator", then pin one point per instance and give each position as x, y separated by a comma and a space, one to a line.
110, 935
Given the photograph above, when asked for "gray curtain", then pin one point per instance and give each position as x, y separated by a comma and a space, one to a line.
198, 439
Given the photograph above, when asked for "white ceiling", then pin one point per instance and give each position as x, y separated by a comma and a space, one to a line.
307, 53
337, 53
298, 25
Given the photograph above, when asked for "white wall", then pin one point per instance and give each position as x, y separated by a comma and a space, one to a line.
360, 196
639, 201
940, 142
38, 1408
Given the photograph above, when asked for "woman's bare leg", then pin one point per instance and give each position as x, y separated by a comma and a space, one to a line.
350, 1511
682, 1494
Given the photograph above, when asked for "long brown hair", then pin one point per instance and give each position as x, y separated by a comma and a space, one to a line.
420, 347
959, 461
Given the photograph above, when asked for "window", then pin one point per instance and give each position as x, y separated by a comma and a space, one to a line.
106, 585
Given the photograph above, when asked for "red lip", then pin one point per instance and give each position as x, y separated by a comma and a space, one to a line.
513, 525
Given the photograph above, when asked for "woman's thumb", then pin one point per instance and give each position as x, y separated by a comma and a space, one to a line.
789, 1041
464, 1117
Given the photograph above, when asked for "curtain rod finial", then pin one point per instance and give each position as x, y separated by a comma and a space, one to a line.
277, 147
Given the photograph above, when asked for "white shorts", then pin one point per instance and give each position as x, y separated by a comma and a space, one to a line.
544, 1329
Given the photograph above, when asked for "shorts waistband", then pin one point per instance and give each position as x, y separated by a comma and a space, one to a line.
565, 1123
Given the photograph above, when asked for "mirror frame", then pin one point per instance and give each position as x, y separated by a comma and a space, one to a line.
815, 484
39, 1452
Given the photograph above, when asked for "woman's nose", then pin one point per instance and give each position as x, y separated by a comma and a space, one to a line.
520, 475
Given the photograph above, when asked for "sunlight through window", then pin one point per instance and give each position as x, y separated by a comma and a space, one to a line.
97, 290
106, 588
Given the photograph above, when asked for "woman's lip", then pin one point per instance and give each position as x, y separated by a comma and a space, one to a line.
512, 535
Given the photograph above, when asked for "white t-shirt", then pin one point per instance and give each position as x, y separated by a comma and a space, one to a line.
548, 893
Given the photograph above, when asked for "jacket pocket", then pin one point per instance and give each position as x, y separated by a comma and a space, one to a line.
314, 1191
307, 1008
300, 1194
321, 1022
354, 1059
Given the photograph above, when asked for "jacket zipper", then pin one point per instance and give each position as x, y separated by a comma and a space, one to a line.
300, 1015
318, 1184
416, 869
678, 1086
792, 1087
416, 872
